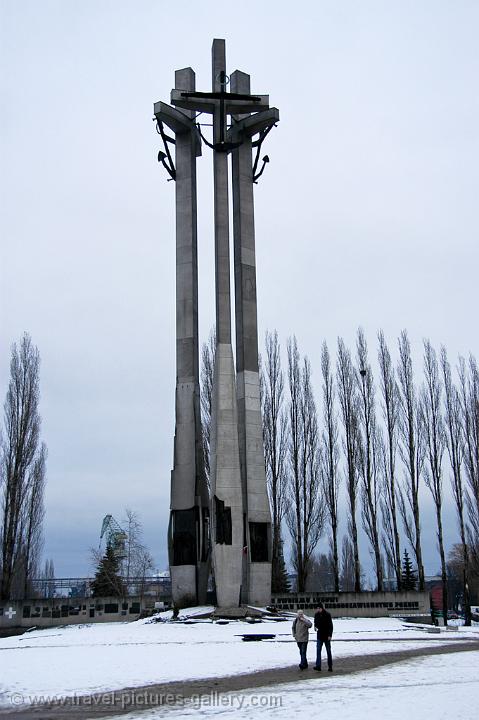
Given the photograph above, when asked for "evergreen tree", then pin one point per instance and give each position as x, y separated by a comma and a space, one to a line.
280, 581
409, 576
108, 582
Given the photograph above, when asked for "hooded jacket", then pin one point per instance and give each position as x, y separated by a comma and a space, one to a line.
300, 628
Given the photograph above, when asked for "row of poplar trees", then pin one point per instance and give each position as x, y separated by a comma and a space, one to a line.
375, 441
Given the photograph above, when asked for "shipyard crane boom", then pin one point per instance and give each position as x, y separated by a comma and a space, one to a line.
115, 536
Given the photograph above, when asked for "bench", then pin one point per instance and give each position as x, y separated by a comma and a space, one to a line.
256, 637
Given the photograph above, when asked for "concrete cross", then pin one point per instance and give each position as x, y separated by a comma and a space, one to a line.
219, 103
10, 613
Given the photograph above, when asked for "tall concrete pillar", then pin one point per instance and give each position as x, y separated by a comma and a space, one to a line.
239, 510
225, 474
188, 535
250, 428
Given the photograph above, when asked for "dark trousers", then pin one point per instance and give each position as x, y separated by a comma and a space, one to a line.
303, 646
319, 647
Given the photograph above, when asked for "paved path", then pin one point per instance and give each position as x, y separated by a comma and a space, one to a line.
128, 700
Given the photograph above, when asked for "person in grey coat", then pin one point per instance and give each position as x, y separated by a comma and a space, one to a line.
300, 629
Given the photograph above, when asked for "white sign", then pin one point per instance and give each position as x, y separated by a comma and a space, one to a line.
10, 613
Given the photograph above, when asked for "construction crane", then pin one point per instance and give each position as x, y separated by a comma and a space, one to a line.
115, 536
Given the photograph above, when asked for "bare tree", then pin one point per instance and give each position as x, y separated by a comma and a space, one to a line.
48, 578
144, 565
294, 505
206, 395
469, 388
348, 566
348, 400
275, 448
369, 454
431, 402
311, 495
22, 469
133, 532
455, 447
412, 452
330, 459
390, 409
137, 561
304, 514
320, 574
32, 522
455, 567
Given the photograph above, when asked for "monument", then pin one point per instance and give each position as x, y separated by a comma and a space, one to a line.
232, 524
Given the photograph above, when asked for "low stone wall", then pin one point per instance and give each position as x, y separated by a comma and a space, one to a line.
45, 612
73, 611
364, 604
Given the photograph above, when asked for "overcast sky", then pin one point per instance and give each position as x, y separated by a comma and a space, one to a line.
366, 215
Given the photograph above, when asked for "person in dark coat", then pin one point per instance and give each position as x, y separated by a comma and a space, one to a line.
323, 625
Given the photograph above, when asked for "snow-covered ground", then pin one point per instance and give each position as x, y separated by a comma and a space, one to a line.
83, 659
443, 687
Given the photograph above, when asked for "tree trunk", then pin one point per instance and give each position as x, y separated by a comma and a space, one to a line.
443, 562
